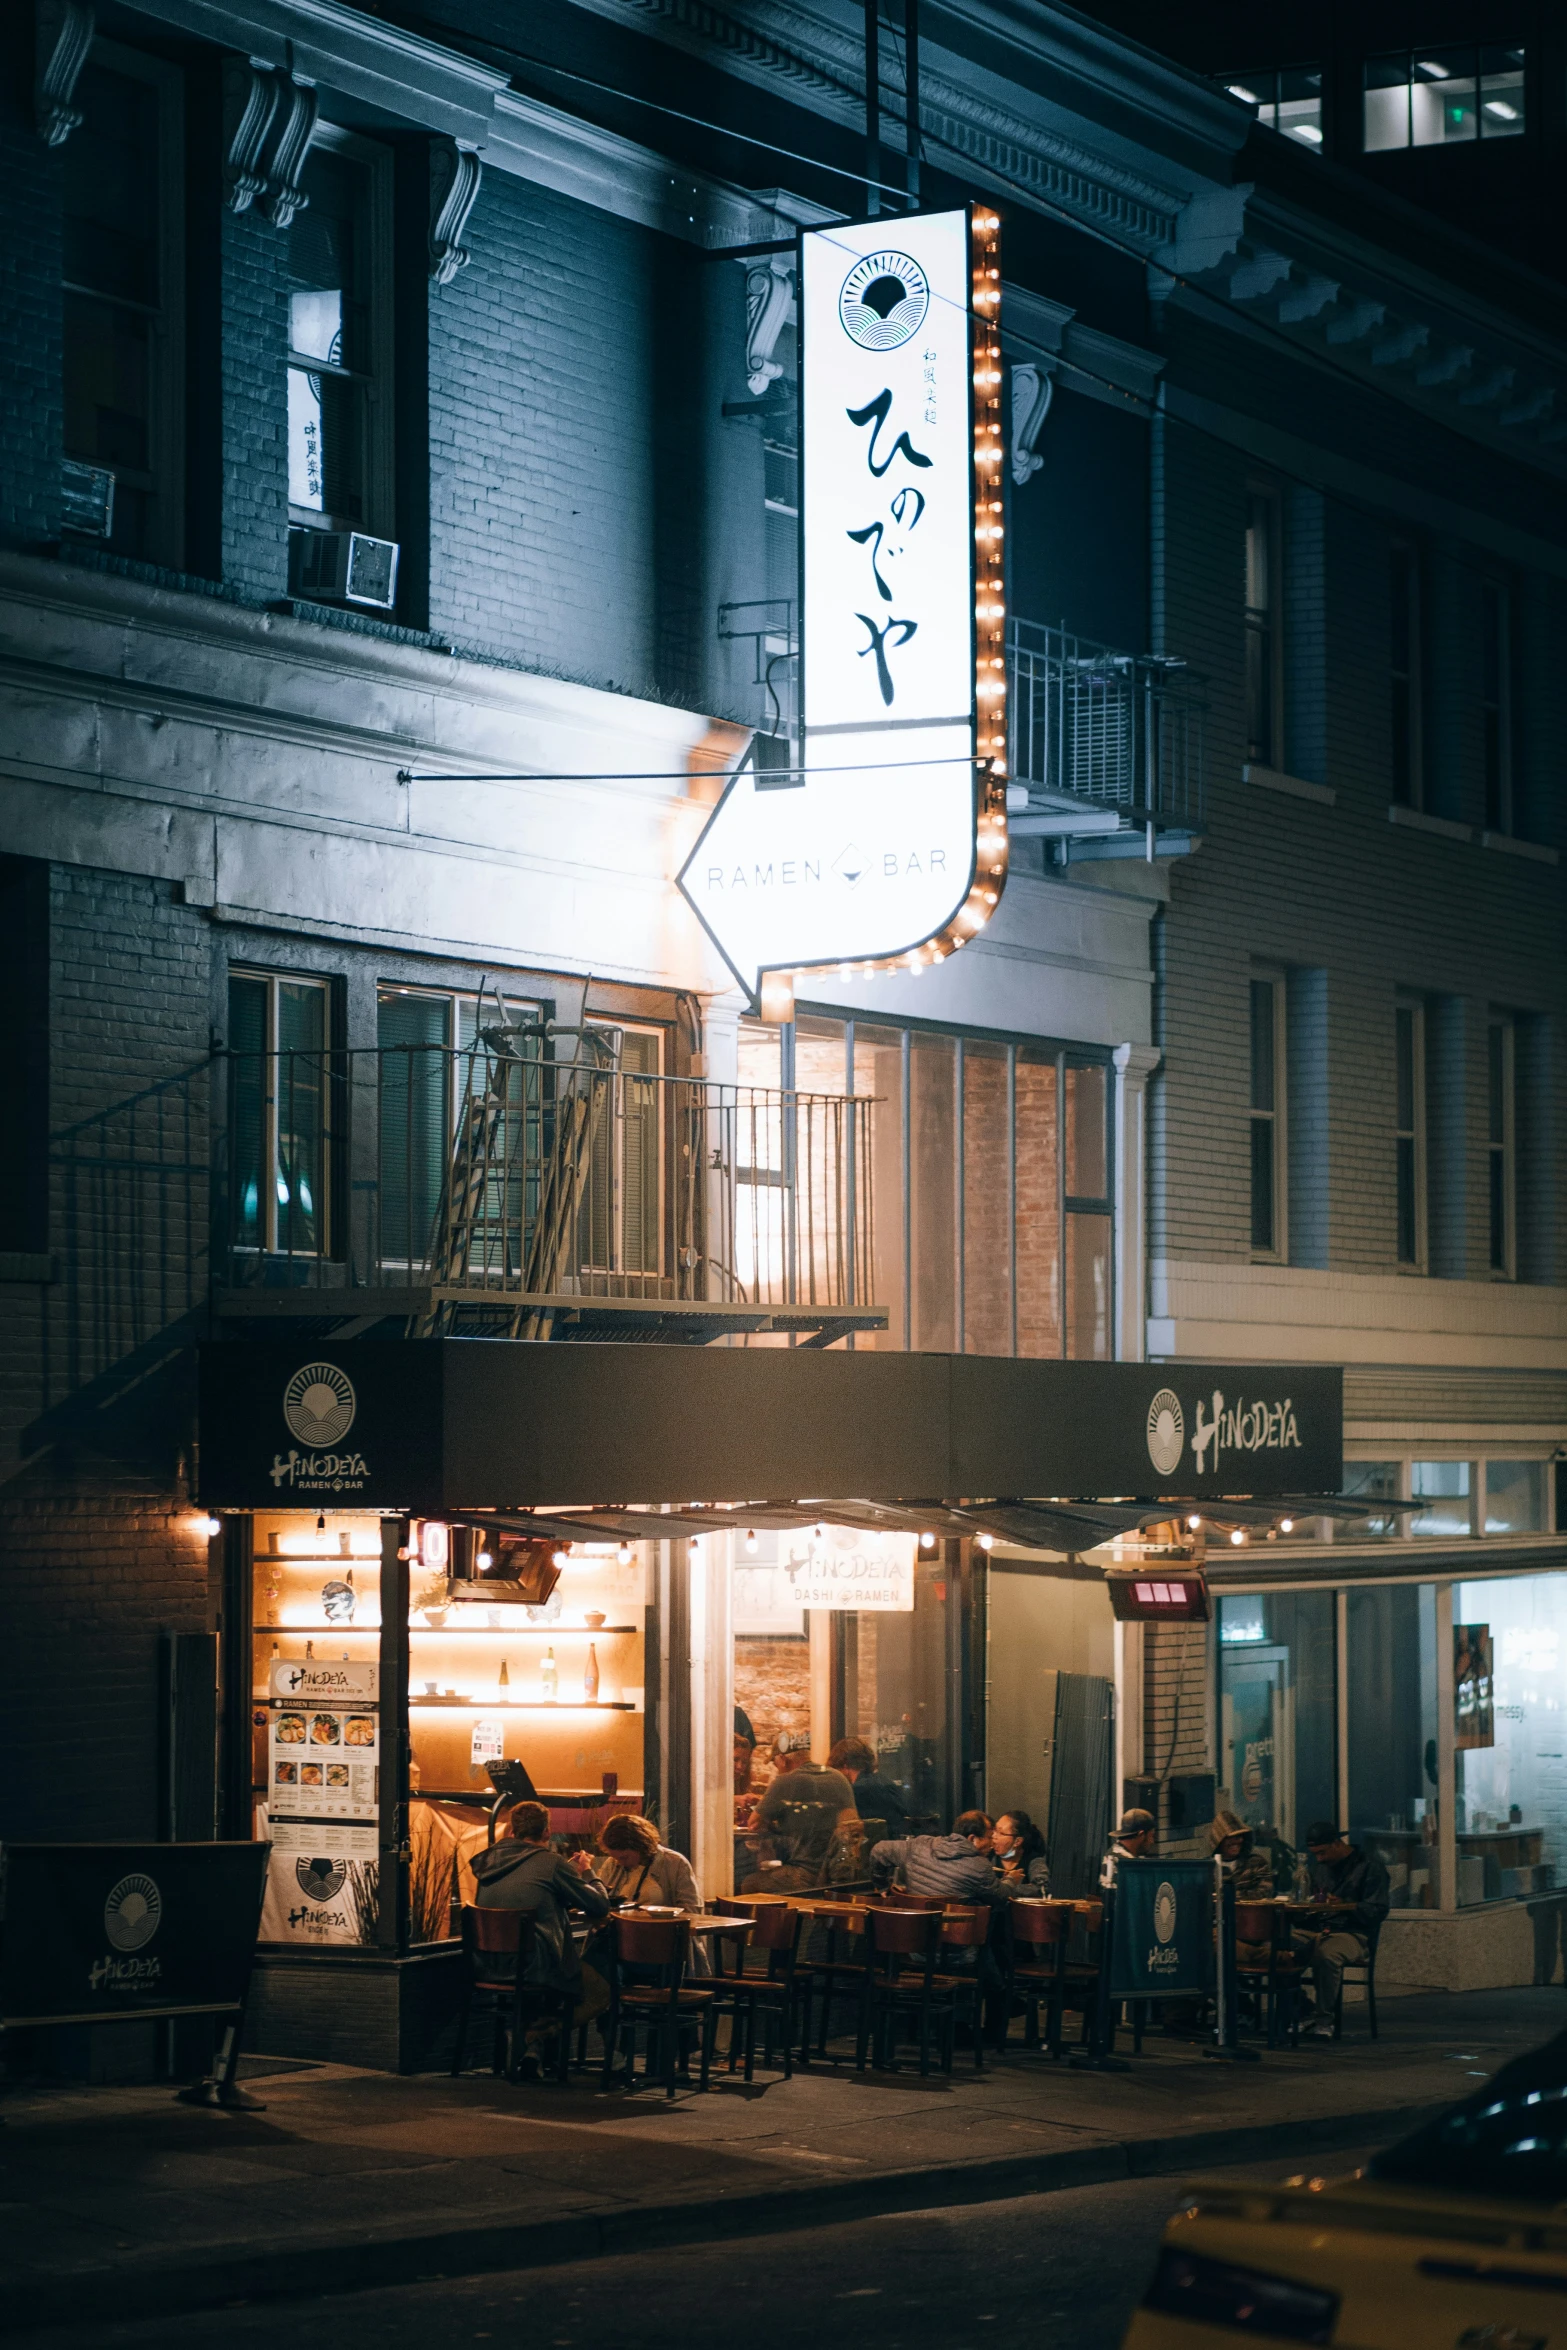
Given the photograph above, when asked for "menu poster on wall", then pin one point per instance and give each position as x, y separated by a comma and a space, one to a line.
321, 1884
324, 1741
1474, 1687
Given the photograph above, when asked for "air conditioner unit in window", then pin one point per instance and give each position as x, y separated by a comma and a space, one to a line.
86, 499
343, 567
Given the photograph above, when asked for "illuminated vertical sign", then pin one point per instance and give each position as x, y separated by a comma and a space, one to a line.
886, 845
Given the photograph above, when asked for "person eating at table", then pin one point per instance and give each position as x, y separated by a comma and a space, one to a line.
1353, 1887
958, 1868
637, 1870
1136, 1838
1019, 1850
875, 1798
522, 1870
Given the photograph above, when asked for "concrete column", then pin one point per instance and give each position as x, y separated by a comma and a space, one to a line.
1134, 1064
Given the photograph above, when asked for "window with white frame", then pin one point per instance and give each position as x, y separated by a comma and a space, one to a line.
1501, 1174
339, 336
1267, 1117
1409, 1132
1443, 96
283, 1121
123, 361
1264, 627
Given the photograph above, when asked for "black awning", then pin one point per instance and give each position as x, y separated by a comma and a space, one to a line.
448, 1426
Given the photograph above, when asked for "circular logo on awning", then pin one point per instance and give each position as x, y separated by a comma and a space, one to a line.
132, 1912
320, 1879
319, 1404
1166, 1431
1164, 1911
883, 301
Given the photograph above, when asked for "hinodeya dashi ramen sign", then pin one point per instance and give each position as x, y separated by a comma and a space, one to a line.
886, 844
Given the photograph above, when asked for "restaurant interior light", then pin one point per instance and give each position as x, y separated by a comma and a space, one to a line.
927, 1542
750, 1544
1237, 1535
486, 1558
695, 1544
320, 1521
1286, 1525
210, 1527
1194, 1525
821, 1532
623, 1553
987, 1541
557, 1558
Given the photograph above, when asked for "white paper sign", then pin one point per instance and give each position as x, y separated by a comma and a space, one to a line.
320, 1883
489, 1740
870, 852
848, 1567
317, 1681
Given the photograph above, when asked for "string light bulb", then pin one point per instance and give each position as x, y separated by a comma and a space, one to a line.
987, 1541
927, 1541
623, 1552
1286, 1525
1194, 1525
750, 1542
1237, 1535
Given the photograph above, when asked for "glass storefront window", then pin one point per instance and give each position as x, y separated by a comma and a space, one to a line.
1509, 1640
1370, 1481
1390, 1664
1515, 1497
1276, 1707
1446, 1488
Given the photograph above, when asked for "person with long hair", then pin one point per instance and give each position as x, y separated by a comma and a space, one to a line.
1018, 1848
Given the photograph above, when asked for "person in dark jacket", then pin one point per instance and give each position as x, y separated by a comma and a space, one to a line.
1354, 1886
957, 1867
800, 1814
875, 1798
522, 1871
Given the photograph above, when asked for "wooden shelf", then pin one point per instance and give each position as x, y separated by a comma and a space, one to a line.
446, 1631
521, 1705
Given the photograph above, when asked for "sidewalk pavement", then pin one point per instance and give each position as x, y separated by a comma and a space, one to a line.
122, 2203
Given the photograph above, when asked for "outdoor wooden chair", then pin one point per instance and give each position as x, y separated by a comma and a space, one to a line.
497, 1948
657, 2002
778, 1993
896, 1940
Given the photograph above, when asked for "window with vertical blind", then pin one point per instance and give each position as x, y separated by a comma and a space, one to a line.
1501, 1176
1409, 1132
1264, 623
992, 1185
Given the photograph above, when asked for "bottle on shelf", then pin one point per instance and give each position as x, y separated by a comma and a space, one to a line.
590, 1677
503, 1681
549, 1676
310, 1652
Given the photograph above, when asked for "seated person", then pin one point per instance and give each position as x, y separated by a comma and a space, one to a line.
799, 1816
744, 1759
522, 1870
1249, 1870
875, 1798
636, 1867
1353, 1884
1136, 1838
1019, 1850
957, 1868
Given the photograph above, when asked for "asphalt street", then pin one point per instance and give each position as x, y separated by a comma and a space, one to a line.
1066, 2268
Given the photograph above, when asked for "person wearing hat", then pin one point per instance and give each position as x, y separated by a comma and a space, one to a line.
1136, 1838
1354, 1886
800, 1813
1233, 1845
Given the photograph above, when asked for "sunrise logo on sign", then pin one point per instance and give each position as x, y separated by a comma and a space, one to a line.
319, 1405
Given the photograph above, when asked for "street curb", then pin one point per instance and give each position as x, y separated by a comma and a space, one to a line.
306, 2269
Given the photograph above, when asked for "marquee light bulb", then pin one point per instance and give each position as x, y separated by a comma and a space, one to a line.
1194, 1525
1286, 1525
623, 1553
1237, 1535
927, 1541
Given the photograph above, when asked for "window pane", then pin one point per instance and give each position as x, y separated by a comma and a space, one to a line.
1511, 1814
110, 184
1404, 1035
1038, 1209
1387, 115
1496, 1085
1088, 1287
878, 1079
932, 1143
299, 1175
987, 1241
1277, 1717
639, 1105
329, 320
1370, 1481
415, 1083
1300, 107
1390, 1668
1263, 1228
247, 1111
1515, 1497
1262, 1041
1501, 93
1445, 1487
306, 442
1442, 99
1087, 1119
1408, 1224
107, 384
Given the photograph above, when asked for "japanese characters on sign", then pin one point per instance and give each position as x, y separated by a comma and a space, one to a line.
888, 842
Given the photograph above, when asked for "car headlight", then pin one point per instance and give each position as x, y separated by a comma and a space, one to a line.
1217, 2292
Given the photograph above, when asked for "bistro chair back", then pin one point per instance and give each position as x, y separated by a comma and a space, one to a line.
895, 1898
657, 2000
1269, 1968
1254, 1924
775, 1927
1041, 1924
965, 1932
776, 1994
497, 1955
965, 1929
905, 1933
889, 1993
1361, 1970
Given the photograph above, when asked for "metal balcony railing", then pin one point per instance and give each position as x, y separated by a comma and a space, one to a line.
1104, 730
484, 1179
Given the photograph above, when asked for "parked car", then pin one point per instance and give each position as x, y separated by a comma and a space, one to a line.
1453, 2239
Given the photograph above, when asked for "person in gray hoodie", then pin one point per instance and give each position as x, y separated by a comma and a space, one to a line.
958, 1867
523, 1871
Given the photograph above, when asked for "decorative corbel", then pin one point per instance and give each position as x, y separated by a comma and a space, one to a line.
62, 36
454, 183
769, 299
289, 146
252, 97
1033, 389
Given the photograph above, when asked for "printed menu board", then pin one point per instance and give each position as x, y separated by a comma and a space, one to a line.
321, 1884
323, 1741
